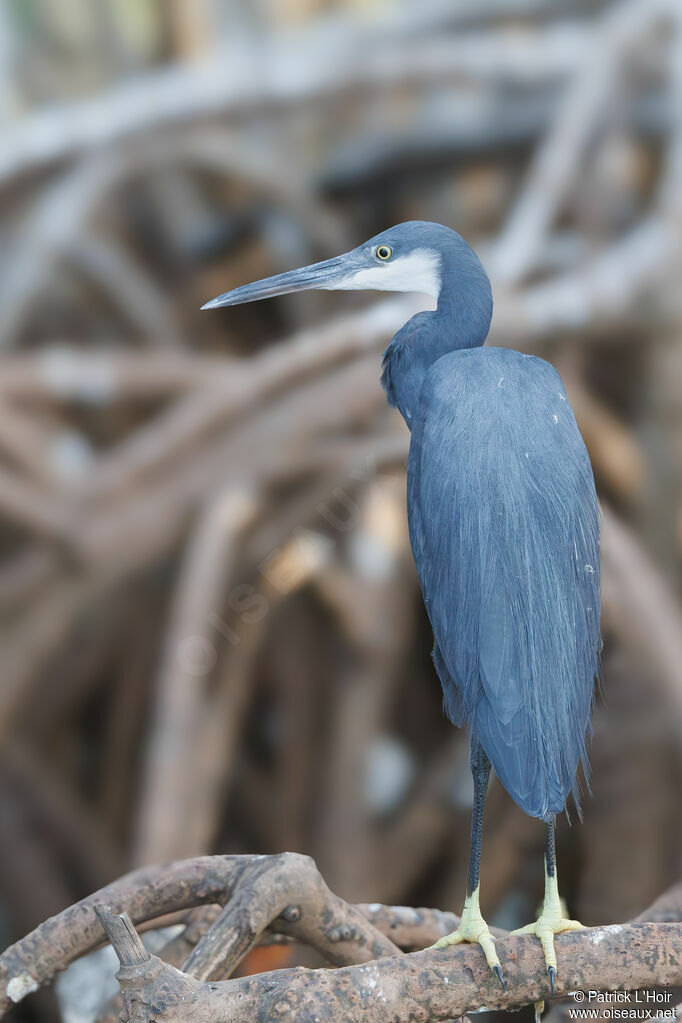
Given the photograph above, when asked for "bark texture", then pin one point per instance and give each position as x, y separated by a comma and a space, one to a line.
244, 901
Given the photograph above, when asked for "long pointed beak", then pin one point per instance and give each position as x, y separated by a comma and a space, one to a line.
326, 276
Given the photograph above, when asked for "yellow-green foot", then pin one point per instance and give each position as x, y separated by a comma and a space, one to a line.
550, 922
474, 930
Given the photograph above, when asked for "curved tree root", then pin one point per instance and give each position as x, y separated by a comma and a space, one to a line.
246, 899
428, 986
257, 891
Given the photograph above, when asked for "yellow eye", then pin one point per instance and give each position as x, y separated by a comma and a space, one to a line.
384, 252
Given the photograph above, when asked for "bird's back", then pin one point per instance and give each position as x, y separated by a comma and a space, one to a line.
504, 528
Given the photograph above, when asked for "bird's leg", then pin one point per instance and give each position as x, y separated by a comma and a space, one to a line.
551, 920
472, 926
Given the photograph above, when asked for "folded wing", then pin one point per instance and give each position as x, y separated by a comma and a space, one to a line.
504, 528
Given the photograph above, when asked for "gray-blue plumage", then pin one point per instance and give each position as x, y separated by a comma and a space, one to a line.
504, 528
502, 511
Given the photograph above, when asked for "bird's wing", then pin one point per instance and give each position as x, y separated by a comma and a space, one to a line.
504, 529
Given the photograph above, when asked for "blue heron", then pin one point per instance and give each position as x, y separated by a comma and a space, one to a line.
504, 528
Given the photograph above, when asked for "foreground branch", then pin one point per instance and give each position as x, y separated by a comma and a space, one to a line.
286, 890
286, 895
431, 985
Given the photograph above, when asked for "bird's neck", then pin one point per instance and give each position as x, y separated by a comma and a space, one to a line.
453, 325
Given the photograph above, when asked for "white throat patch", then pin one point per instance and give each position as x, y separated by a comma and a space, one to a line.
418, 272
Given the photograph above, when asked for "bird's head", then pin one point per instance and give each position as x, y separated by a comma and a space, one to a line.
417, 256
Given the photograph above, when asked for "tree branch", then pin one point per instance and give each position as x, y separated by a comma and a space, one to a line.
431, 985
143, 894
286, 895
286, 888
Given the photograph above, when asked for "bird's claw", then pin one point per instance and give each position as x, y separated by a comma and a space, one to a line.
474, 930
544, 928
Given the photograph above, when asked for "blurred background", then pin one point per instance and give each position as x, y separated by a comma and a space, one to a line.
212, 637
